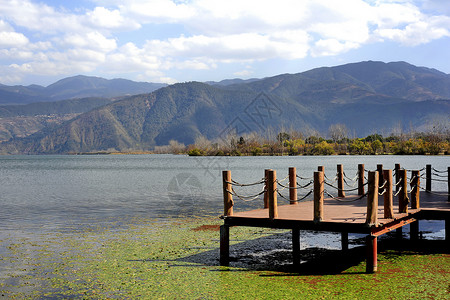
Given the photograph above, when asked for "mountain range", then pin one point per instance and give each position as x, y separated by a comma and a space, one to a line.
368, 97
74, 87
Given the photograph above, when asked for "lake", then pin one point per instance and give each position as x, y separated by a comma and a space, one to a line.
42, 194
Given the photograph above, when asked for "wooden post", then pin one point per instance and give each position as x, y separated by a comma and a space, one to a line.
318, 196
266, 190
227, 197
447, 231
448, 183
344, 240
340, 176
414, 230
372, 259
415, 190
397, 176
224, 245
361, 179
403, 194
388, 196
272, 190
372, 199
380, 177
296, 246
293, 185
428, 178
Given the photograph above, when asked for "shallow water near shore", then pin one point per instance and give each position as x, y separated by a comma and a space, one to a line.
61, 213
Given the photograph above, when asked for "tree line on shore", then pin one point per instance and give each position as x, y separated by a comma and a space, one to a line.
292, 142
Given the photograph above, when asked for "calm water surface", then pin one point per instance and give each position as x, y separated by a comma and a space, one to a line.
60, 193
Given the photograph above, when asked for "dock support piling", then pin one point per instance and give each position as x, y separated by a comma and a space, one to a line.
372, 199
428, 178
414, 230
224, 245
272, 191
292, 185
447, 231
388, 196
340, 176
296, 246
227, 197
318, 196
415, 190
361, 179
344, 241
403, 194
372, 259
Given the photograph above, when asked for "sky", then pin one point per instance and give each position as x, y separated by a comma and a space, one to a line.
42, 41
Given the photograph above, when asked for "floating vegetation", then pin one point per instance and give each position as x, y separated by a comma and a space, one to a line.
178, 258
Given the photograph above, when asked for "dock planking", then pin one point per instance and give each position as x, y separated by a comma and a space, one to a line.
345, 214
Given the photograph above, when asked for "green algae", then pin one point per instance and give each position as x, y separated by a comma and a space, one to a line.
179, 259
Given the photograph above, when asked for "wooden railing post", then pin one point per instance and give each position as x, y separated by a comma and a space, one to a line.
403, 194
340, 176
415, 190
397, 176
272, 191
380, 177
321, 169
372, 199
448, 184
428, 178
292, 185
388, 196
266, 190
318, 196
227, 197
361, 179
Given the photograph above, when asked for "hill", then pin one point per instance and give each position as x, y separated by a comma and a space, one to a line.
367, 97
75, 87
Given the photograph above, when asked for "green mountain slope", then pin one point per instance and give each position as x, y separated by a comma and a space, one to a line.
311, 100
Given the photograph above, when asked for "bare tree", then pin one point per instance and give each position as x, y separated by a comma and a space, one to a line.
338, 132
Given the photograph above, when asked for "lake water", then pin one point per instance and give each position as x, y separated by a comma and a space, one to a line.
64, 193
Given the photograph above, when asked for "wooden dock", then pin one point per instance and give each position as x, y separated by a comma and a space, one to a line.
364, 213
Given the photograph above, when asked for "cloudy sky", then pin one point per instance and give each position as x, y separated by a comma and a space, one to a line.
42, 41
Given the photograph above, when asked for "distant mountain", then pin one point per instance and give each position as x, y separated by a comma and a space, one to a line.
75, 87
367, 97
23, 120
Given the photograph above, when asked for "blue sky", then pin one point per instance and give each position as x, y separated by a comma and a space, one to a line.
42, 41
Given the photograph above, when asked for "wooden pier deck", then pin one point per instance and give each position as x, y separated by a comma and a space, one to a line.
348, 214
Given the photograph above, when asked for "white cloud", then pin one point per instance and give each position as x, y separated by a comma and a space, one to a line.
209, 32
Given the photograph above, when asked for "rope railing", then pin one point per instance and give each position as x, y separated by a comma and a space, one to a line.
384, 184
400, 181
445, 171
235, 183
294, 188
343, 200
304, 178
298, 200
246, 198
350, 185
439, 175
398, 192
438, 194
345, 190
351, 179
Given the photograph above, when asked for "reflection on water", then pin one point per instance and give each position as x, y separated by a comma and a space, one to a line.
59, 193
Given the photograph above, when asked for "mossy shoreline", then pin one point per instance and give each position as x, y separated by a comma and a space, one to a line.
179, 259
